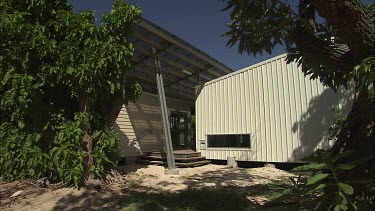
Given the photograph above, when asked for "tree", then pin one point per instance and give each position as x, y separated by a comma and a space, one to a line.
329, 39
62, 86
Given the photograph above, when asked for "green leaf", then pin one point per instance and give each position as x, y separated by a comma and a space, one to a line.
70, 70
316, 178
7, 76
21, 124
37, 137
280, 196
112, 88
311, 167
344, 166
342, 155
341, 201
338, 208
96, 134
316, 188
348, 189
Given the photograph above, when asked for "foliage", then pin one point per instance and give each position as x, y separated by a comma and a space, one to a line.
49, 56
337, 124
328, 173
258, 26
66, 154
253, 22
21, 154
290, 191
365, 72
104, 154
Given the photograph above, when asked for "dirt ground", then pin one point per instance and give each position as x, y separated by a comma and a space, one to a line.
128, 182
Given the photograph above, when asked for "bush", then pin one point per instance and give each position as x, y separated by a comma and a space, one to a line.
60, 73
328, 185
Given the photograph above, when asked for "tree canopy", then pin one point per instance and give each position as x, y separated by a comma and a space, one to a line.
327, 38
61, 75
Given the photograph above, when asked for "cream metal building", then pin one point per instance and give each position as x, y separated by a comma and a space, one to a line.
268, 112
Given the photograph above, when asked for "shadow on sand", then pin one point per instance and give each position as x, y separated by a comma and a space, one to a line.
229, 198
221, 194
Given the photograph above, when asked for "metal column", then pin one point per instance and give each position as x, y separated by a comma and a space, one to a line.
164, 115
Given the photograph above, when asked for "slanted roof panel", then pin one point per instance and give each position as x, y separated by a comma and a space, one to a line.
181, 62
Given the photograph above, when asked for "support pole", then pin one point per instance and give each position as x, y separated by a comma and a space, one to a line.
199, 77
164, 114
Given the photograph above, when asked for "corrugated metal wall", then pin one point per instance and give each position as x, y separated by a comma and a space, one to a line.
286, 113
139, 124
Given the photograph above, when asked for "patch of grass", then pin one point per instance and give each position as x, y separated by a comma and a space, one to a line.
189, 200
139, 180
258, 190
143, 205
133, 184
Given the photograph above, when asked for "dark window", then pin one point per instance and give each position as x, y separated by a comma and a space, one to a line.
233, 140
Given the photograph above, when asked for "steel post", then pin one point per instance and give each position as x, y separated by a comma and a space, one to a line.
164, 114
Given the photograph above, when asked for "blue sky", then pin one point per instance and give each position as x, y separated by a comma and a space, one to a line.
200, 23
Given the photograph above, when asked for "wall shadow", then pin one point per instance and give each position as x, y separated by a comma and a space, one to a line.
149, 132
139, 131
125, 142
313, 125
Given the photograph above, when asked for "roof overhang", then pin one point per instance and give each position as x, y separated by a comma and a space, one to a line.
184, 66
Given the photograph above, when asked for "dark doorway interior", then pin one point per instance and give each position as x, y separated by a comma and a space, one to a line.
179, 130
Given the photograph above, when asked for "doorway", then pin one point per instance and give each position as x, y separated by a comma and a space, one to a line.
179, 130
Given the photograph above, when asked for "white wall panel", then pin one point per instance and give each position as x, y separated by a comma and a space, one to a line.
286, 113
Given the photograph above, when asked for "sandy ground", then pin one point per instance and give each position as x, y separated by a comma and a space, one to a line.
138, 178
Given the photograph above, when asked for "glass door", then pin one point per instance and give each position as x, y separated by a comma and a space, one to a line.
179, 130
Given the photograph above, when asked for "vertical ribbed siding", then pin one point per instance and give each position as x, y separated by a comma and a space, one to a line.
139, 125
274, 102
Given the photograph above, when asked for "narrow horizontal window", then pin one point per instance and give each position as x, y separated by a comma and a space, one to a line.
229, 141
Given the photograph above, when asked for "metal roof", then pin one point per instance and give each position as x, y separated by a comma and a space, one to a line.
184, 66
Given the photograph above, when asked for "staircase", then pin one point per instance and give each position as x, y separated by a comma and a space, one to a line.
183, 158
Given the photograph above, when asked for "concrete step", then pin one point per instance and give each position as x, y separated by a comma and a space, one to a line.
181, 165
179, 160
178, 154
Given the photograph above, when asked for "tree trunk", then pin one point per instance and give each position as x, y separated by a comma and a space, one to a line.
358, 33
358, 134
87, 139
337, 57
358, 130
112, 110
351, 22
